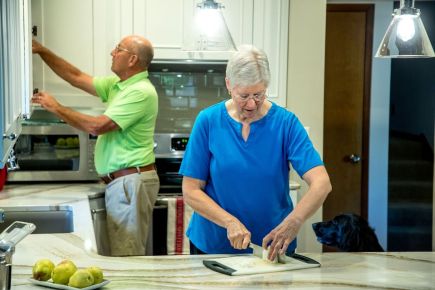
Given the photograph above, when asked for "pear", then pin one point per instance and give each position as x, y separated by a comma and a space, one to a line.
63, 271
61, 142
42, 269
81, 279
69, 142
96, 273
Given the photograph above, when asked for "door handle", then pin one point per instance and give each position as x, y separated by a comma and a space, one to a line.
354, 158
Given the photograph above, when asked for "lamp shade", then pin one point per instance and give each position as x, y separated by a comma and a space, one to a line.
406, 36
210, 31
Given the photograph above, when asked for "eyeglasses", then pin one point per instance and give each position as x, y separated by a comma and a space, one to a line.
118, 48
257, 97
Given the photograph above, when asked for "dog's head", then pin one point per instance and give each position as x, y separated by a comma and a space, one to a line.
347, 232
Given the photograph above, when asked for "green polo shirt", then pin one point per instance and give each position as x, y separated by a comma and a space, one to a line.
132, 104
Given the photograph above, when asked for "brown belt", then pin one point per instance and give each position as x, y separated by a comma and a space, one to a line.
126, 171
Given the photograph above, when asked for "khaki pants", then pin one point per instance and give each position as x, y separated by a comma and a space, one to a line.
129, 205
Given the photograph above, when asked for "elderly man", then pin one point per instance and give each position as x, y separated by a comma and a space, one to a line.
124, 156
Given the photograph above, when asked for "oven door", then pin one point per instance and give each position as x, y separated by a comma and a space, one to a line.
53, 152
170, 180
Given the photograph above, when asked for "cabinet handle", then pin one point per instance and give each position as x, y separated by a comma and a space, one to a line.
11, 136
35, 30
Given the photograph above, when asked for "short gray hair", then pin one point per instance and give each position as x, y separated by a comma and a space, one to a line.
248, 66
143, 48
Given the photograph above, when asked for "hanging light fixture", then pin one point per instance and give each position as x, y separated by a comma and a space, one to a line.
210, 31
406, 36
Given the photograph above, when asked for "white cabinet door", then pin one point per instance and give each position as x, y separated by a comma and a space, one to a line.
271, 34
15, 68
66, 29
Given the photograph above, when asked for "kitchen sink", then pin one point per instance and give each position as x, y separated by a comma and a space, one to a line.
47, 219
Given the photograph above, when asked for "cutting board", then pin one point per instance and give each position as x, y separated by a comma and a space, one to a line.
250, 264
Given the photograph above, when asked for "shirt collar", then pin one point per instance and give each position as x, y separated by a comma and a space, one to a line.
131, 80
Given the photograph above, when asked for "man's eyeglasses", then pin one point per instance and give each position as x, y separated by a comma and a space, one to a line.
257, 97
118, 48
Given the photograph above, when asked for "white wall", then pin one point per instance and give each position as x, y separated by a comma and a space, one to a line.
379, 128
305, 87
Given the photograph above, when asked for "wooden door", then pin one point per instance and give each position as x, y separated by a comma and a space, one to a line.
349, 30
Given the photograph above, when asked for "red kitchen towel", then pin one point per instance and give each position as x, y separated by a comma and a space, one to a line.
3, 175
179, 215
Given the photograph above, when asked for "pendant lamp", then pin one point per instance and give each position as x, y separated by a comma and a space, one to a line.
210, 31
406, 36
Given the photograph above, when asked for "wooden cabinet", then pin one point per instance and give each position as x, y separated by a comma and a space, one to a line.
15, 68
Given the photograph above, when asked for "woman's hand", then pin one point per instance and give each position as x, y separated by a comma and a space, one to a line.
281, 236
238, 235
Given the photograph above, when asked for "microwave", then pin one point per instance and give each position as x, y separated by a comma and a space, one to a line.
53, 151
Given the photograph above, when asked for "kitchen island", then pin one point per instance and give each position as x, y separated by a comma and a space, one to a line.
411, 270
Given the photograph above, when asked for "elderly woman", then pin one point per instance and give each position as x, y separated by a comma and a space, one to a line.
236, 167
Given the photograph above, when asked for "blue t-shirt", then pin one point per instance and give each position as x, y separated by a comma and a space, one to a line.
250, 180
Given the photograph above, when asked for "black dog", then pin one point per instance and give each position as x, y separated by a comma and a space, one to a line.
348, 233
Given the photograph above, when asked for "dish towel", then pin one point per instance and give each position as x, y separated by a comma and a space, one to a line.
179, 215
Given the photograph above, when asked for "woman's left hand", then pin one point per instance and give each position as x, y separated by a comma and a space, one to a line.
281, 236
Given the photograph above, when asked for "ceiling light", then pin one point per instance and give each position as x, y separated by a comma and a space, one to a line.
406, 36
210, 31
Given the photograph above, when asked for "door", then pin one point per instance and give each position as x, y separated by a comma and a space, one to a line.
347, 98
15, 68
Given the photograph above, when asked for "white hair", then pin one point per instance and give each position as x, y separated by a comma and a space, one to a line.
248, 66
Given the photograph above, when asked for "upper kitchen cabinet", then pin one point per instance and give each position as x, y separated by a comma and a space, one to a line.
15, 71
168, 22
67, 28
260, 22
85, 32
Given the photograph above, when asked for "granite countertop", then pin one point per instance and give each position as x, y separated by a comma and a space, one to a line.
410, 270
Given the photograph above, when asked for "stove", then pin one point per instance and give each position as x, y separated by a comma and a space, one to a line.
169, 150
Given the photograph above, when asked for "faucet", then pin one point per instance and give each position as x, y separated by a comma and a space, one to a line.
8, 240
12, 163
6, 266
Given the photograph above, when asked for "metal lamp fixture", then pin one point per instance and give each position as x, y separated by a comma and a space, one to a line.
406, 36
210, 31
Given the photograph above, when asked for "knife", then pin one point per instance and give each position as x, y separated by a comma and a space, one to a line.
261, 253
